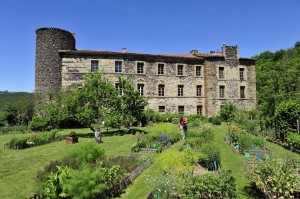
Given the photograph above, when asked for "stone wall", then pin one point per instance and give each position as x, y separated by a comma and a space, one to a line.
47, 60
59, 66
74, 66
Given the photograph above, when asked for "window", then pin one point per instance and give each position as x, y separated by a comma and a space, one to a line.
180, 90
161, 90
198, 71
199, 109
180, 70
94, 65
119, 88
118, 66
161, 109
160, 69
221, 91
140, 88
140, 68
241, 74
242, 91
199, 90
221, 72
181, 109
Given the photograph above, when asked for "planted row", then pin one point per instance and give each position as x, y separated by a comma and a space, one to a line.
161, 135
85, 172
33, 139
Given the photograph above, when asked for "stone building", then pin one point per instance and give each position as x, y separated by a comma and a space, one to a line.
194, 83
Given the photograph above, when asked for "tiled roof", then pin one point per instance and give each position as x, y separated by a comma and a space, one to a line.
93, 52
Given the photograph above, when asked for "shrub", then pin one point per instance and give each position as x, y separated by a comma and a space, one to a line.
293, 140
216, 120
212, 152
208, 185
278, 179
17, 143
245, 142
39, 124
87, 153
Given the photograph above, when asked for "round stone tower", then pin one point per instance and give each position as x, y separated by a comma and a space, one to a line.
48, 62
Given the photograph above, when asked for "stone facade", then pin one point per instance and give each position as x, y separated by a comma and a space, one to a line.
192, 83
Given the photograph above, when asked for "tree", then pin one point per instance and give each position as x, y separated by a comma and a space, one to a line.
97, 100
287, 113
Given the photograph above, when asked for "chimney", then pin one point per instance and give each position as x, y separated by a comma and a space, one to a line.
194, 52
123, 50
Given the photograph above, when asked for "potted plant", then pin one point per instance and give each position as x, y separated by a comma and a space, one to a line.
72, 138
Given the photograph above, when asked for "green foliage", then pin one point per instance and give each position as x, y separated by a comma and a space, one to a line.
87, 153
174, 162
286, 115
90, 182
279, 180
228, 111
54, 186
196, 120
196, 138
212, 153
2, 118
20, 112
216, 120
34, 139
277, 80
17, 143
208, 185
293, 139
40, 123
97, 100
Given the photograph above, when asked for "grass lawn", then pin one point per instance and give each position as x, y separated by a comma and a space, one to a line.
234, 161
18, 168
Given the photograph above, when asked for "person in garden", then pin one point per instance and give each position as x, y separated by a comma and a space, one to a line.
183, 126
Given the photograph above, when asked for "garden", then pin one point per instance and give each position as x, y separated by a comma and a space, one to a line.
141, 153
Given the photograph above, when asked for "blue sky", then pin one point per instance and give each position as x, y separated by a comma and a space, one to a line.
145, 26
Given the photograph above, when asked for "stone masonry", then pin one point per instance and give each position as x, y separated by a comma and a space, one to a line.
193, 83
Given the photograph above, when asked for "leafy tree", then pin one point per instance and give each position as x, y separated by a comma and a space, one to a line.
95, 101
277, 77
287, 113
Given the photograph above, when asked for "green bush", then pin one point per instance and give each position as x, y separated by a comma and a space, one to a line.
212, 153
293, 140
87, 153
208, 185
39, 124
17, 143
216, 120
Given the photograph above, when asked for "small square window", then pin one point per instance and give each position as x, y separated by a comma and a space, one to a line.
118, 66
94, 65
140, 68
162, 109
181, 109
